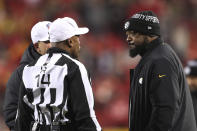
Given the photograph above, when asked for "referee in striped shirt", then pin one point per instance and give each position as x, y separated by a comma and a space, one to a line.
56, 93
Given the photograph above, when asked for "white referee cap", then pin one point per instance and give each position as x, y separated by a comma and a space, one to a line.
64, 28
40, 31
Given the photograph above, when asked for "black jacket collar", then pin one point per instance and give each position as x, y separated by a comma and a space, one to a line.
148, 49
29, 55
150, 46
56, 50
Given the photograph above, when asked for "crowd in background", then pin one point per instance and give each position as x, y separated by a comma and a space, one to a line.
104, 49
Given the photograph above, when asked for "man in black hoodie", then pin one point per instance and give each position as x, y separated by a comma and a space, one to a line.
40, 39
159, 96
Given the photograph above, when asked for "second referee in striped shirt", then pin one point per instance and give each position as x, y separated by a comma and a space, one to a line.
56, 93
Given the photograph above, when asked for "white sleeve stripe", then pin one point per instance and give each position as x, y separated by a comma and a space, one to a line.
88, 91
89, 94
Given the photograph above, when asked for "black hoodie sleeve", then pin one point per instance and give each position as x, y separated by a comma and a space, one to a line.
11, 97
24, 117
164, 96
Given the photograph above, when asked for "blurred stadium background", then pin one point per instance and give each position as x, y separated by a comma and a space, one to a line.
104, 50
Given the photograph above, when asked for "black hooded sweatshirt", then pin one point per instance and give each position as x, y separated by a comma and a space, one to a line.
160, 99
13, 84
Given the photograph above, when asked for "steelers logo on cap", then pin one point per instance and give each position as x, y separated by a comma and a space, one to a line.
126, 25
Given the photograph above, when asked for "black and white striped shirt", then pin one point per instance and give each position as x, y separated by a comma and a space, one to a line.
57, 88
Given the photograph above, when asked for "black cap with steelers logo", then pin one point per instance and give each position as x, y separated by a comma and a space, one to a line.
145, 22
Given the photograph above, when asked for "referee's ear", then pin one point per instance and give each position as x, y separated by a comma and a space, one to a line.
69, 43
36, 47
